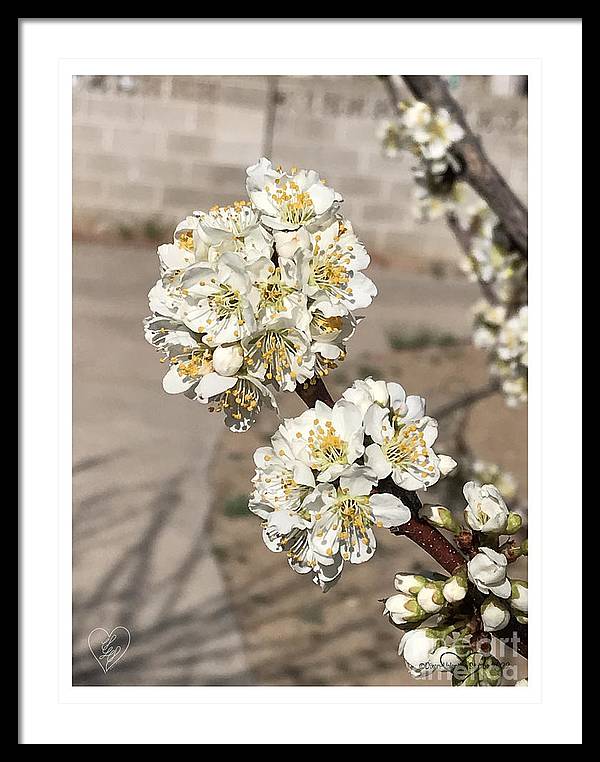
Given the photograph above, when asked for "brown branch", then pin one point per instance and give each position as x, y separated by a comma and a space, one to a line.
469, 398
430, 539
477, 169
433, 542
314, 392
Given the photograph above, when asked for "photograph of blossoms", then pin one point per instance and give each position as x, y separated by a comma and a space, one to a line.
300, 380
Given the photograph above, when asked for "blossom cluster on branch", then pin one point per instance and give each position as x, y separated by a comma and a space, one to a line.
259, 296
320, 486
500, 320
447, 620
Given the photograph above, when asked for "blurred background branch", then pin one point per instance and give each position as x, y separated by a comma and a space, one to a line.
476, 167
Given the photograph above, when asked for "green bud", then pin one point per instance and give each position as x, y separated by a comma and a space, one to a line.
513, 523
409, 583
519, 598
440, 517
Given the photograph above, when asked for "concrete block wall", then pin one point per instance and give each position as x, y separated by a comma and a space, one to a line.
149, 150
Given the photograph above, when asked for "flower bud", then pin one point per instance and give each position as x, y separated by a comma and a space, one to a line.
513, 523
446, 658
228, 360
403, 609
494, 615
409, 583
486, 510
439, 517
519, 599
417, 647
430, 598
487, 571
455, 588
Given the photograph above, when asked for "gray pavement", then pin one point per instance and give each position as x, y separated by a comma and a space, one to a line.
142, 493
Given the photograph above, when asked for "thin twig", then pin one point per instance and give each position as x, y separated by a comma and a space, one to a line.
271, 114
464, 240
466, 400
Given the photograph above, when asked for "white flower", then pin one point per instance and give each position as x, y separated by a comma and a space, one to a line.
494, 615
190, 241
290, 200
235, 228
165, 299
280, 355
513, 338
487, 571
523, 683
227, 360
220, 300
278, 295
405, 450
515, 390
416, 117
281, 483
486, 510
332, 268
172, 256
330, 328
189, 359
434, 131
287, 531
240, 398
329, 440
403, 609
192, 372
344, 518
365, 393
417, 647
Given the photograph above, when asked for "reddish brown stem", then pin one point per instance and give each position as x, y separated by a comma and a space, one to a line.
432, 541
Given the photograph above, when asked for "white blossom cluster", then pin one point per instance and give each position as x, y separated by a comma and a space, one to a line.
259, 296
437, 612
500, 325
429, 135
325, 482
505, 338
